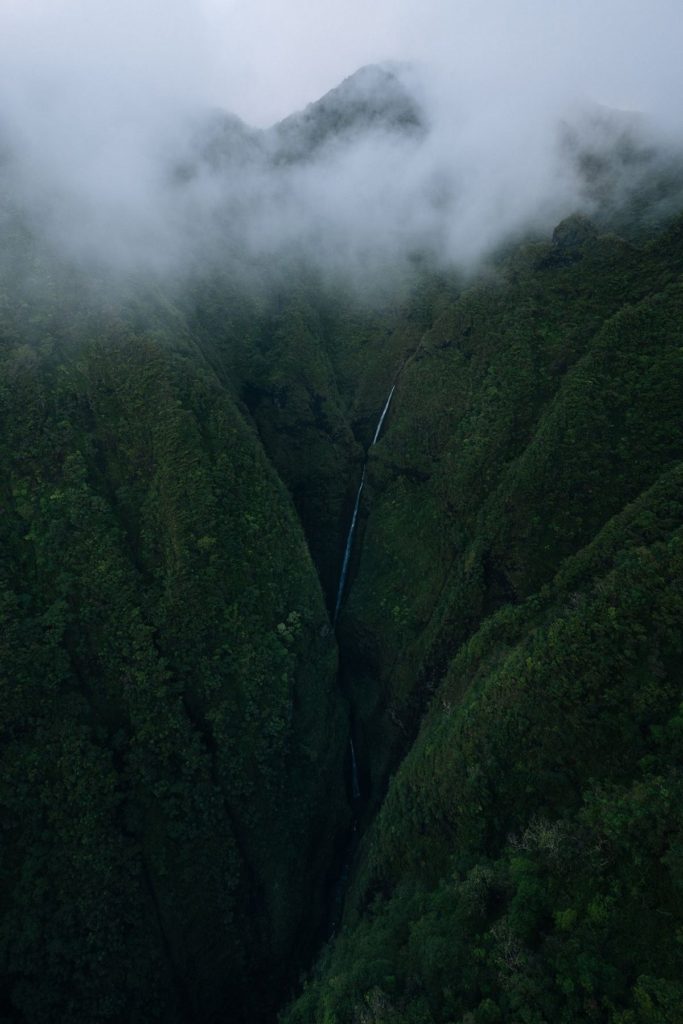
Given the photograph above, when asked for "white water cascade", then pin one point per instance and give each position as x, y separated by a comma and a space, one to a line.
385, 410
347, 549
354, 517
355, 784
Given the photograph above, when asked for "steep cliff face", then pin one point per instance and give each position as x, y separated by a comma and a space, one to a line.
173, 740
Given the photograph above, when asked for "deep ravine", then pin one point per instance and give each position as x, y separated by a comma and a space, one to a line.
355, 786
338, 888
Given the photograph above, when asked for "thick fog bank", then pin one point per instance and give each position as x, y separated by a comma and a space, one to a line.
111, 154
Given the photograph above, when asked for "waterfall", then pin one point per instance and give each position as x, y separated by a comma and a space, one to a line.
385, 410
355, 787
347, 549
354, 517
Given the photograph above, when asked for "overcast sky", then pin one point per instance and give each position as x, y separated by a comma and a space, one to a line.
275, 55
265, 58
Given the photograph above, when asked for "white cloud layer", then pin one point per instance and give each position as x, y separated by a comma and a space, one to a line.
271, 56
96, 98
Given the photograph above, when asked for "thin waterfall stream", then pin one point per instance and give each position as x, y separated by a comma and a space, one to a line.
354, 518
340, 886
347, 550
355, 787
385, 410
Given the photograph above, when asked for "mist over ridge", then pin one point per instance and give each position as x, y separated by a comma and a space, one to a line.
114, 157
341, 512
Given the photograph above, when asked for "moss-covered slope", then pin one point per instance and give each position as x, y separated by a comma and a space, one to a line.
176, 481
172, 739
538, 402
520, 578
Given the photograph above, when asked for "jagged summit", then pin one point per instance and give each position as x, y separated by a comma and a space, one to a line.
374, 98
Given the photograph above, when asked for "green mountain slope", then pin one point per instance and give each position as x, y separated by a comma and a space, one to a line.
184, 821
520, 577
526, 864
172, 738
536, 405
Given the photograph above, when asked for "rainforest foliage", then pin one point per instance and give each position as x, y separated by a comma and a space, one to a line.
514, 625
172, 738
177, 470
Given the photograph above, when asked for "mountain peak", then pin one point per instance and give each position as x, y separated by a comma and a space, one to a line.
374, 98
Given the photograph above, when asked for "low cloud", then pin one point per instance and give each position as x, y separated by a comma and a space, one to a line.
113, 143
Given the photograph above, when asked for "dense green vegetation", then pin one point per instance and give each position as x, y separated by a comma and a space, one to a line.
177, 470
521, 579
526, 864
172, 738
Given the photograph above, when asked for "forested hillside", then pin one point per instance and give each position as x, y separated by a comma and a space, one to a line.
172, 737
518, 602
187, 832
